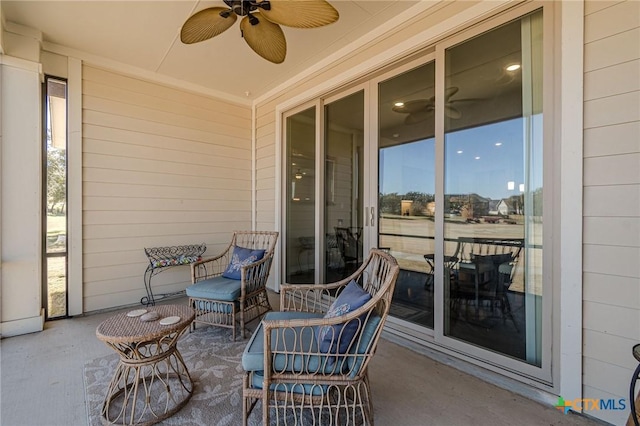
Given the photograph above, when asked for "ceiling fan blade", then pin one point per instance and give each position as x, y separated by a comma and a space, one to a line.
452, 112
418, 117
301, 13
206, 24
449, 92
265, 38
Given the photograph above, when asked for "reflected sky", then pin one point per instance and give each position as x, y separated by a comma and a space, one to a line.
486, 160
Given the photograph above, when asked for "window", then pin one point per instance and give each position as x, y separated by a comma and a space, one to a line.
55, 197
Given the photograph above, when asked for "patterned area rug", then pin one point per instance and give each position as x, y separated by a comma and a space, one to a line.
214, 363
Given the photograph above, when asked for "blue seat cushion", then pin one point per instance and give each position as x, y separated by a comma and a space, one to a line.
217, 288
298, 339
257, 379
368, 332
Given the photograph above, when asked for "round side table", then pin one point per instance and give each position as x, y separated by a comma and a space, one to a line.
151, 381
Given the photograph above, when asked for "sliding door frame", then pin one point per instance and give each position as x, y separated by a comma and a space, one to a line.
537, 376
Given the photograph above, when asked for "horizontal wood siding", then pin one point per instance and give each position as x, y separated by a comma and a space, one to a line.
611, 200
161, 167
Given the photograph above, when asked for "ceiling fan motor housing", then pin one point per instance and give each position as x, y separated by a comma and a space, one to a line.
245, 7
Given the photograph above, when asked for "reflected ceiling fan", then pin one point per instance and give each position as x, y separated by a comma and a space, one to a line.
421, 109
260, 25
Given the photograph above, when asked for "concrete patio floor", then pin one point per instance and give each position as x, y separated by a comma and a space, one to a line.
42, 384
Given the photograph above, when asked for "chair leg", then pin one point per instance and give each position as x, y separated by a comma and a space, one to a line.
369, 408
506, 307
241, 321
246, 406
233, 323
265, 405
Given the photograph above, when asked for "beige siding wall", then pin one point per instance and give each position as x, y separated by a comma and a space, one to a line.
611, 199
161, 167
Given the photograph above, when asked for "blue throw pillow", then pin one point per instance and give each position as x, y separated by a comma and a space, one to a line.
241, 257
351, 298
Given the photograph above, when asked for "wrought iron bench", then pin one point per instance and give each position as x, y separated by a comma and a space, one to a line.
163, 258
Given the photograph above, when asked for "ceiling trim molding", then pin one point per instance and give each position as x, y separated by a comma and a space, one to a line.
388, 26
117, 66
410, 45
3, 24
12, 27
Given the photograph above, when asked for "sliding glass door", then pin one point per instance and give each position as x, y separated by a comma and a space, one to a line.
439, 161
324, 185
493, 189
300, 198
406, 187
343, 192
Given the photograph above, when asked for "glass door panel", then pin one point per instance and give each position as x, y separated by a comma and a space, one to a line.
493, 190
343, 184
300, 197
406, 188
55, 198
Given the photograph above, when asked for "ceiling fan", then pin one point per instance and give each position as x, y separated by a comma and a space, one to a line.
260, 25
420, 109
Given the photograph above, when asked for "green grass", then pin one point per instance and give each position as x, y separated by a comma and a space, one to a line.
56, 225
56, 274
56, 288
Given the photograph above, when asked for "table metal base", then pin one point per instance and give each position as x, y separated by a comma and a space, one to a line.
148, 390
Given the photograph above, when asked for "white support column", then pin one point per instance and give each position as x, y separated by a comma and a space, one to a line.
74, 187
571, 31
21, 197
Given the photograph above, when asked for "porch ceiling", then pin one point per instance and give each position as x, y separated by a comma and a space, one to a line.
145, 35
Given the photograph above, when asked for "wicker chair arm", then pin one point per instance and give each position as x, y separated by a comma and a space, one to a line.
313, 322
309, 297
209, 267
255, 275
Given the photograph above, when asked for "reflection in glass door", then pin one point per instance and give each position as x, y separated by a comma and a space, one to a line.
344, 145
406, 179
300, 133
493, 190
326, 230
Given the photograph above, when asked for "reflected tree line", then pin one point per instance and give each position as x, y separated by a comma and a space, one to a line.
415, 203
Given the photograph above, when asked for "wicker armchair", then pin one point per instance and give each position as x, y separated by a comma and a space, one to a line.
217, 300
307, 368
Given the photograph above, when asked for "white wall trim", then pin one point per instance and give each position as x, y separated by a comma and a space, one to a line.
391, 55
277, 266
3, 24
119, 67
254, 159
75, 282
22, 326
12, 27
23, 64
570, 125
399, 51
